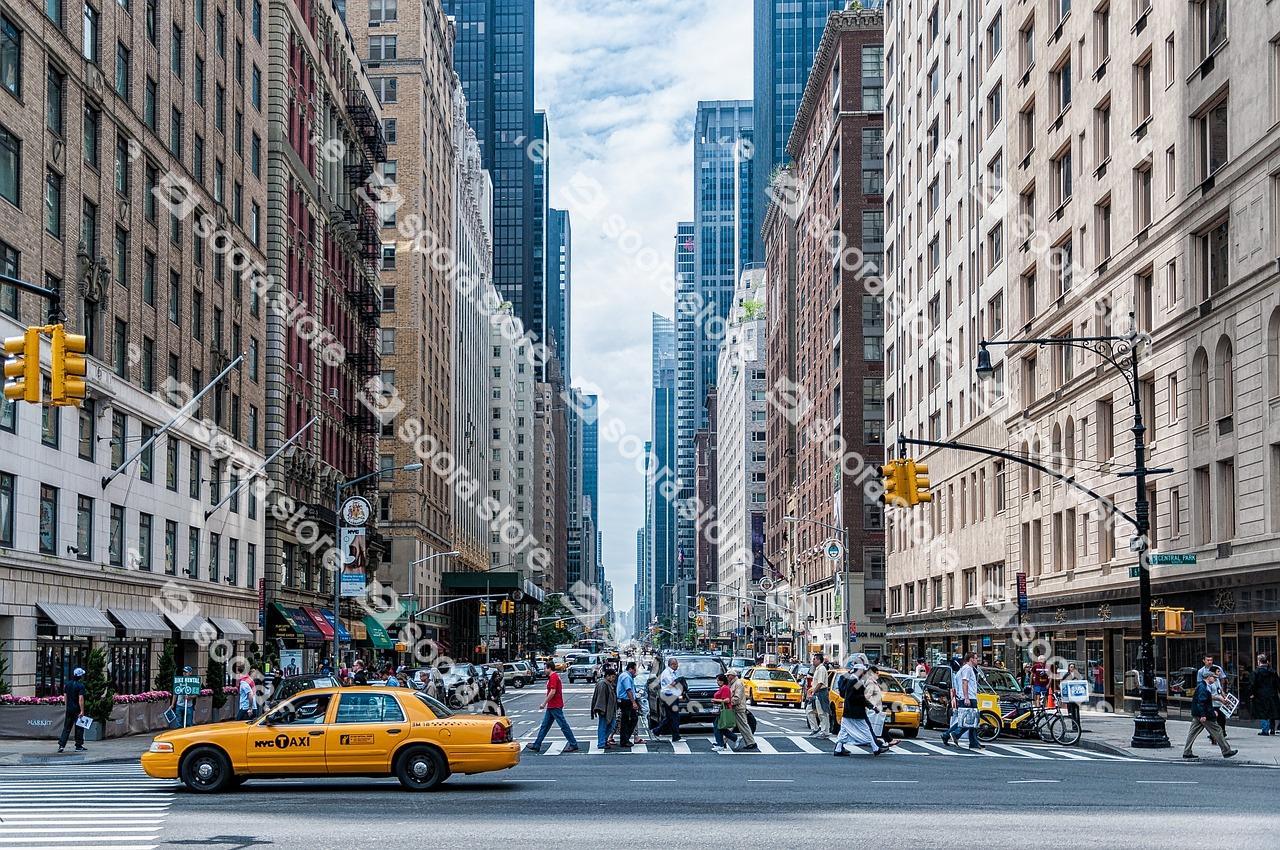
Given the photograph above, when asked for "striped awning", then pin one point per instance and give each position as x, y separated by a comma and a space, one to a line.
231, 628
189, 626
140, 624
77, 620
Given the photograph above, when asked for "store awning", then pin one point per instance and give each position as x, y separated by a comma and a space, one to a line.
77, 620
140, 624
317, 619
190, 626
231, 628
344, 636
377, 634
296, 625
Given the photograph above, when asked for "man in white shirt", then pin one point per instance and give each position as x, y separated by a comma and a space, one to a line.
964, 694
819, 694
670, 690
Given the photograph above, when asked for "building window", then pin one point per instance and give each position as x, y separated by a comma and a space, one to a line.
1142, 90
193, 552
89, 40
48, 520
84, 528
1060, 79
382, 47
255, 88
215, 557
119, 435
171, 463
1062, 178
170, 548
872, 78
175, 51
193, 474
55, 99
382, 11
1212, 248
122, 70
6, 510
50, 425
1212, 138
53, 11
145, 522
1211, 21
53, 204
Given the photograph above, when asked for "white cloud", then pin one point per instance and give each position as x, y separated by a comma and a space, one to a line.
620, 80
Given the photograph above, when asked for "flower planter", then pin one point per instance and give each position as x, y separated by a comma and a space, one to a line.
31, 721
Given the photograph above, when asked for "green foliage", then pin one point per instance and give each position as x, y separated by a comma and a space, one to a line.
549, 636
4, 668
168, 668
752, 309
99, 696
215, 677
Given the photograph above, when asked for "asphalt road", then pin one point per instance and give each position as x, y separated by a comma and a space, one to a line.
666, 799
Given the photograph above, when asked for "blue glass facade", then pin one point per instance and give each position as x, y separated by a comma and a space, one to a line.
660, 554
559, 283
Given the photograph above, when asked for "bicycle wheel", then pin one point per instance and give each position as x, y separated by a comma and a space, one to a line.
988, 726
1066, 730
1044, 727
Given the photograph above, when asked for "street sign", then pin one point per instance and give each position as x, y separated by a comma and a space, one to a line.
1171, 558
853, 631
833, 549
1135, 572
186, 686
766, 584
1022, 593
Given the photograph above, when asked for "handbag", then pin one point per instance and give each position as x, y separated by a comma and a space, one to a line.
965, 718
727, 720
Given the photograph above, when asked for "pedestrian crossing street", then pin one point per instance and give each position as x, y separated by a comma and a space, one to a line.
801, 745
82, 806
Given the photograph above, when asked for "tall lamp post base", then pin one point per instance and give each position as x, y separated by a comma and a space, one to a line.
1148, 728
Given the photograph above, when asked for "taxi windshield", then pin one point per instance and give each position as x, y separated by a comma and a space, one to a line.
772, 676
889, 684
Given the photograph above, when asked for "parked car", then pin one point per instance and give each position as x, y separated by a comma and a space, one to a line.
541, 671
998, 694
463, 684
517, 674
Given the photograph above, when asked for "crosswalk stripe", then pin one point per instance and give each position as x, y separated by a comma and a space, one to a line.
766, 747
934, 748
805, 746
639, 749
1072, 756
1020, 751
556, 747
680, 748
119, 808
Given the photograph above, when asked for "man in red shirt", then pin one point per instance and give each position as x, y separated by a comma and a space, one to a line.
553, 709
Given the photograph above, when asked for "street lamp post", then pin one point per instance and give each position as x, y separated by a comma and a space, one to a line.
338, 489
1122, 353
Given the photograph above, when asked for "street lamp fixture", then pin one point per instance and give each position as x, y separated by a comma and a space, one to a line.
338, 489
1122, 353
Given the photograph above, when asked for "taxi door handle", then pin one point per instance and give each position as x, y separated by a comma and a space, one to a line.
393, 731
315, 732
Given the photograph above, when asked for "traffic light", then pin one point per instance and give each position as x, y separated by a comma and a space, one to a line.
895, 484
506, 606
559, 624
22, 368
702, 603
917, 482
484, 609
1172, 621
67, 386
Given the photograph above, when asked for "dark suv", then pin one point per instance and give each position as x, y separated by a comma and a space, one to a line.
697, 674
935, 702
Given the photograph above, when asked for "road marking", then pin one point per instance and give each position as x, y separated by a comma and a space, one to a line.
1025, 753
895, 781
934, 748
639, 748
804, 745
1166, 782
771, 780
1070, 755
760, 719
530, 780
766, 747
681, 748
1033, 781
556, 748
651, 780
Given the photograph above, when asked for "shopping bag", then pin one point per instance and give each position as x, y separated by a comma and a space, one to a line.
84, 721
965, 718
727, 720
876, 719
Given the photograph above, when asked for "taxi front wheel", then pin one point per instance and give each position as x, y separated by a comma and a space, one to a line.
421, 769
207, 771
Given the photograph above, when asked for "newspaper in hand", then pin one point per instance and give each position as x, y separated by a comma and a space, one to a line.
1230, 702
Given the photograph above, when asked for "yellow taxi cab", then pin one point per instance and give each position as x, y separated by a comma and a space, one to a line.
901, 708
367, 731
771, 685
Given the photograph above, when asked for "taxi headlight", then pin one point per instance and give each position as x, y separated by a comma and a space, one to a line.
161, 747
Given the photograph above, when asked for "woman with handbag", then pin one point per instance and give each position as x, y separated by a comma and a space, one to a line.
727, 719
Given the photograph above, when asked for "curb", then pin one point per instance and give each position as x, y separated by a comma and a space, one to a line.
1127, 752
42, 759
1086, 743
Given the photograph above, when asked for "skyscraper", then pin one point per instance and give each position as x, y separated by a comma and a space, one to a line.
786, 38
493, 57
559, 284
660, 474
721, 235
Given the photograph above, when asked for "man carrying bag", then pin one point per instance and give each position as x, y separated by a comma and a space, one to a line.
964, 704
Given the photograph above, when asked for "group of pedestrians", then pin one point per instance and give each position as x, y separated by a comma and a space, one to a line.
862, 716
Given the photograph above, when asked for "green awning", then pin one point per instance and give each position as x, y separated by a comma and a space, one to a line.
377, 634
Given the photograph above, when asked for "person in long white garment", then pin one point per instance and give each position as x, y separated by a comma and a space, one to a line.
855, 724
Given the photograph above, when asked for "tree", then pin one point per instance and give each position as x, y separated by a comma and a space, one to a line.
216, 676
99, 696
551, 612
168, 668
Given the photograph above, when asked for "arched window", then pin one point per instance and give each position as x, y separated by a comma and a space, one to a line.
1038, 455
1055, 447
1069, 444
1200, 387
1222, 376
1273, 354
1024, 474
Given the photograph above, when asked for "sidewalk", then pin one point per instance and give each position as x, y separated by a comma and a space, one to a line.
112, 751
1113, 733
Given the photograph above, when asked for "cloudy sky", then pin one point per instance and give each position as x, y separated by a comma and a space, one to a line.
620, 80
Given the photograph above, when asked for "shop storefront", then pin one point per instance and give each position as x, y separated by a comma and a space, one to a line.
298, 641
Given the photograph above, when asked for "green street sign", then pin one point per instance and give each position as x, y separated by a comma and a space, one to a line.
1172, 559
1135, 572
186, 686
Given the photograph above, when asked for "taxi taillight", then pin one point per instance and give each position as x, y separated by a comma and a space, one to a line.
501, 734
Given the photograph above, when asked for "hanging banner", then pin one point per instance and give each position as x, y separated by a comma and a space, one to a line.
353, 551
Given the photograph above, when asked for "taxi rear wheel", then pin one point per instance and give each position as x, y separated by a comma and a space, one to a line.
207, 771
421, 769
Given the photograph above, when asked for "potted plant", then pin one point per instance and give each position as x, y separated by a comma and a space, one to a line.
99, 696
215, 676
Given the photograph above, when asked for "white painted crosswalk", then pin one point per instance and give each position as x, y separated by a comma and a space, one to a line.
778, 744
113, 806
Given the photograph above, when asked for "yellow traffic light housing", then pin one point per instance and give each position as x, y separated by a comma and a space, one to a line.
702, 603
67, 384
895, 484
917, 483
484, 609
22, 368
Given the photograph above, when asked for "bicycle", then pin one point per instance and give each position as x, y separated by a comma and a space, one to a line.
1050, 724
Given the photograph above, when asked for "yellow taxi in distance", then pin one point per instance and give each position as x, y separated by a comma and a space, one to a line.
771, 684
366, 731
901, 709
